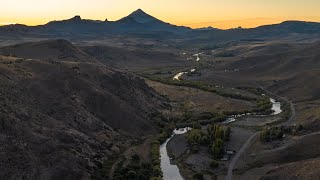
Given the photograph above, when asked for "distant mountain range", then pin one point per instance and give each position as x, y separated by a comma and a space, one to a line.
136, 22
141, 23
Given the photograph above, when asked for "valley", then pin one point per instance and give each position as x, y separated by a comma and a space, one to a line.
139, 98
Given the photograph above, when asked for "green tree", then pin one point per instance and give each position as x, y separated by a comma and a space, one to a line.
227, 134
217, 148
219, 134
157, 171
264, 135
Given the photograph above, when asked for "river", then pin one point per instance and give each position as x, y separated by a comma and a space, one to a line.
177, 76
170, 171
276, 107
198, 56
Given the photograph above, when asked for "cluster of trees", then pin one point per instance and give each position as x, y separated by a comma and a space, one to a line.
275, 133
264, 105
135, 169
166, 132
166, 126
218, 135
214, 138
196, 138
270, 134
103, 171
235, 96
155, 158
256, 91
188, 119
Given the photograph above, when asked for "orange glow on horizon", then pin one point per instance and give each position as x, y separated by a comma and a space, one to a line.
223, 14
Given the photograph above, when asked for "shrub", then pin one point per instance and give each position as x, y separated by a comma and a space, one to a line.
132, 174
227, 134
214, 164
269, 134
157, 171
198, 176
156, 178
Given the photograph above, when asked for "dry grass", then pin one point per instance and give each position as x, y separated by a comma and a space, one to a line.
195, 100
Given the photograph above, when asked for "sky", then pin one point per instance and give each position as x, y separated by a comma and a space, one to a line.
222, 14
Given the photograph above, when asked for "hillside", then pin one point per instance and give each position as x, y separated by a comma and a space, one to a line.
287, 67
61, 50
134, 59
60, 120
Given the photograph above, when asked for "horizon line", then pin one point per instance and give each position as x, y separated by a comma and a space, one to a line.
193, 25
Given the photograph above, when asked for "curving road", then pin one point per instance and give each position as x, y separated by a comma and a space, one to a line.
247, 143
237, 156
293, 111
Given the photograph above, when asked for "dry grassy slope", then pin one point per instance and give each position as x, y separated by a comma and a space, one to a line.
270, 61
59, 119
137, 59
297, 69
300, 153
295, 66
49, 50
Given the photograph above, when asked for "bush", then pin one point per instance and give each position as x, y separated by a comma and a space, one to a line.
198, 176
195, 136
264, 105
225, 54
227, 134
132, 174
270, 134
156, 178
157, 171
214, 164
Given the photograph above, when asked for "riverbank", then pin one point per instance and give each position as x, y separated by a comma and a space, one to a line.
199, 163
170, 171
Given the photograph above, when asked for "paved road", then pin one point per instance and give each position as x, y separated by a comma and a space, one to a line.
247, 143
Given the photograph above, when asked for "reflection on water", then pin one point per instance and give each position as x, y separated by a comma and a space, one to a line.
198, 56
276, 108
170, 171
177, 76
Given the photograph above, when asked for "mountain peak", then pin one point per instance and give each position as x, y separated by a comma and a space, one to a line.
76, 18
138, 12
142, 17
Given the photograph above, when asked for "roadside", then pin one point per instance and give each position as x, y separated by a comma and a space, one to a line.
237, 156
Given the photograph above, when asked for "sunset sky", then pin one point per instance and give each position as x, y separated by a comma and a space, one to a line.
195, 13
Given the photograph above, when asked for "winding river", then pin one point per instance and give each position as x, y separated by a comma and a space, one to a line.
276, 107
171, 171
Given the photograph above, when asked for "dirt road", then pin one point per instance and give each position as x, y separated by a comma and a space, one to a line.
247, 143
